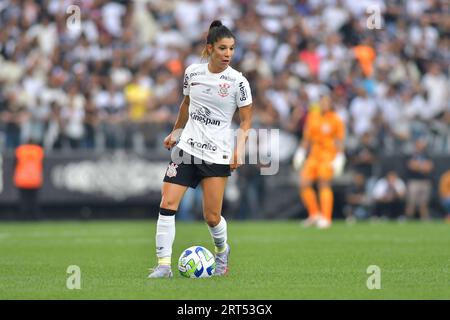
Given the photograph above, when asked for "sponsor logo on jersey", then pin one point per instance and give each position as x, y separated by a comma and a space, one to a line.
172, 170
242, 92
186, 82
207, 91
204, 111
204, 146
203, 115
223, 89
227, 78
194, 74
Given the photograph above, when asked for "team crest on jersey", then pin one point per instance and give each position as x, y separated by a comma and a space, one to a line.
172, 170
223, 89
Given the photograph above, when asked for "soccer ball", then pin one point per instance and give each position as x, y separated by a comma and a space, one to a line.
196, 262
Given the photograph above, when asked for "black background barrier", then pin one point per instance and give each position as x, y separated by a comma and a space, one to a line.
96, 179
123, 180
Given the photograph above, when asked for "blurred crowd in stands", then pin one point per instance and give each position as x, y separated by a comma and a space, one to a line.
114, 80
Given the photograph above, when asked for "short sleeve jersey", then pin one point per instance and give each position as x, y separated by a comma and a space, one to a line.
322, 130
214, 98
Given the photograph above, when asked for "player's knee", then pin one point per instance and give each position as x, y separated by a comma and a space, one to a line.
304, 183
324, 184
168, 203
212, 218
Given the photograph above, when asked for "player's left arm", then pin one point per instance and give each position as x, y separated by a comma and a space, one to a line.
339, 141
340, 134
245, 116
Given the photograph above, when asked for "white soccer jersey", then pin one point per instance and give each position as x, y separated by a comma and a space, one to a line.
214, 98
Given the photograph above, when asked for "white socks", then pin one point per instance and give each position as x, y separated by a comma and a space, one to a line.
219, 235
165, 235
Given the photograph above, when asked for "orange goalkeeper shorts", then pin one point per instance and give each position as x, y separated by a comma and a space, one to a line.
318, 167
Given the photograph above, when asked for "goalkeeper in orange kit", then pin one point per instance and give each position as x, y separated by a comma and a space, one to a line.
320, 157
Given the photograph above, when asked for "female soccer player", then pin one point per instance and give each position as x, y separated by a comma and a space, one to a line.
323, 137
203, 153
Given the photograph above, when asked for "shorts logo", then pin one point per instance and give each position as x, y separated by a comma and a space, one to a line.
223, 91
172, 170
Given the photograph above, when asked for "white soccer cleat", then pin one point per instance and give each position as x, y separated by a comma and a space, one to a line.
161, 271
323, 223
222, 262
310, 222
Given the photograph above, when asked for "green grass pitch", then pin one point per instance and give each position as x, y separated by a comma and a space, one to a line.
269, 260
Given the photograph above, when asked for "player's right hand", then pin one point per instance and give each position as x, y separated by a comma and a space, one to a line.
299, 158
170, 141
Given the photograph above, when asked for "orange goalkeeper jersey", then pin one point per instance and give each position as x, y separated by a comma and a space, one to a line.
322, 131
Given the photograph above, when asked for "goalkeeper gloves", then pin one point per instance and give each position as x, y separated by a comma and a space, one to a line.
299, 158
338, 164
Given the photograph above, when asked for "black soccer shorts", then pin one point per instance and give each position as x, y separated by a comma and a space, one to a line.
191, 170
